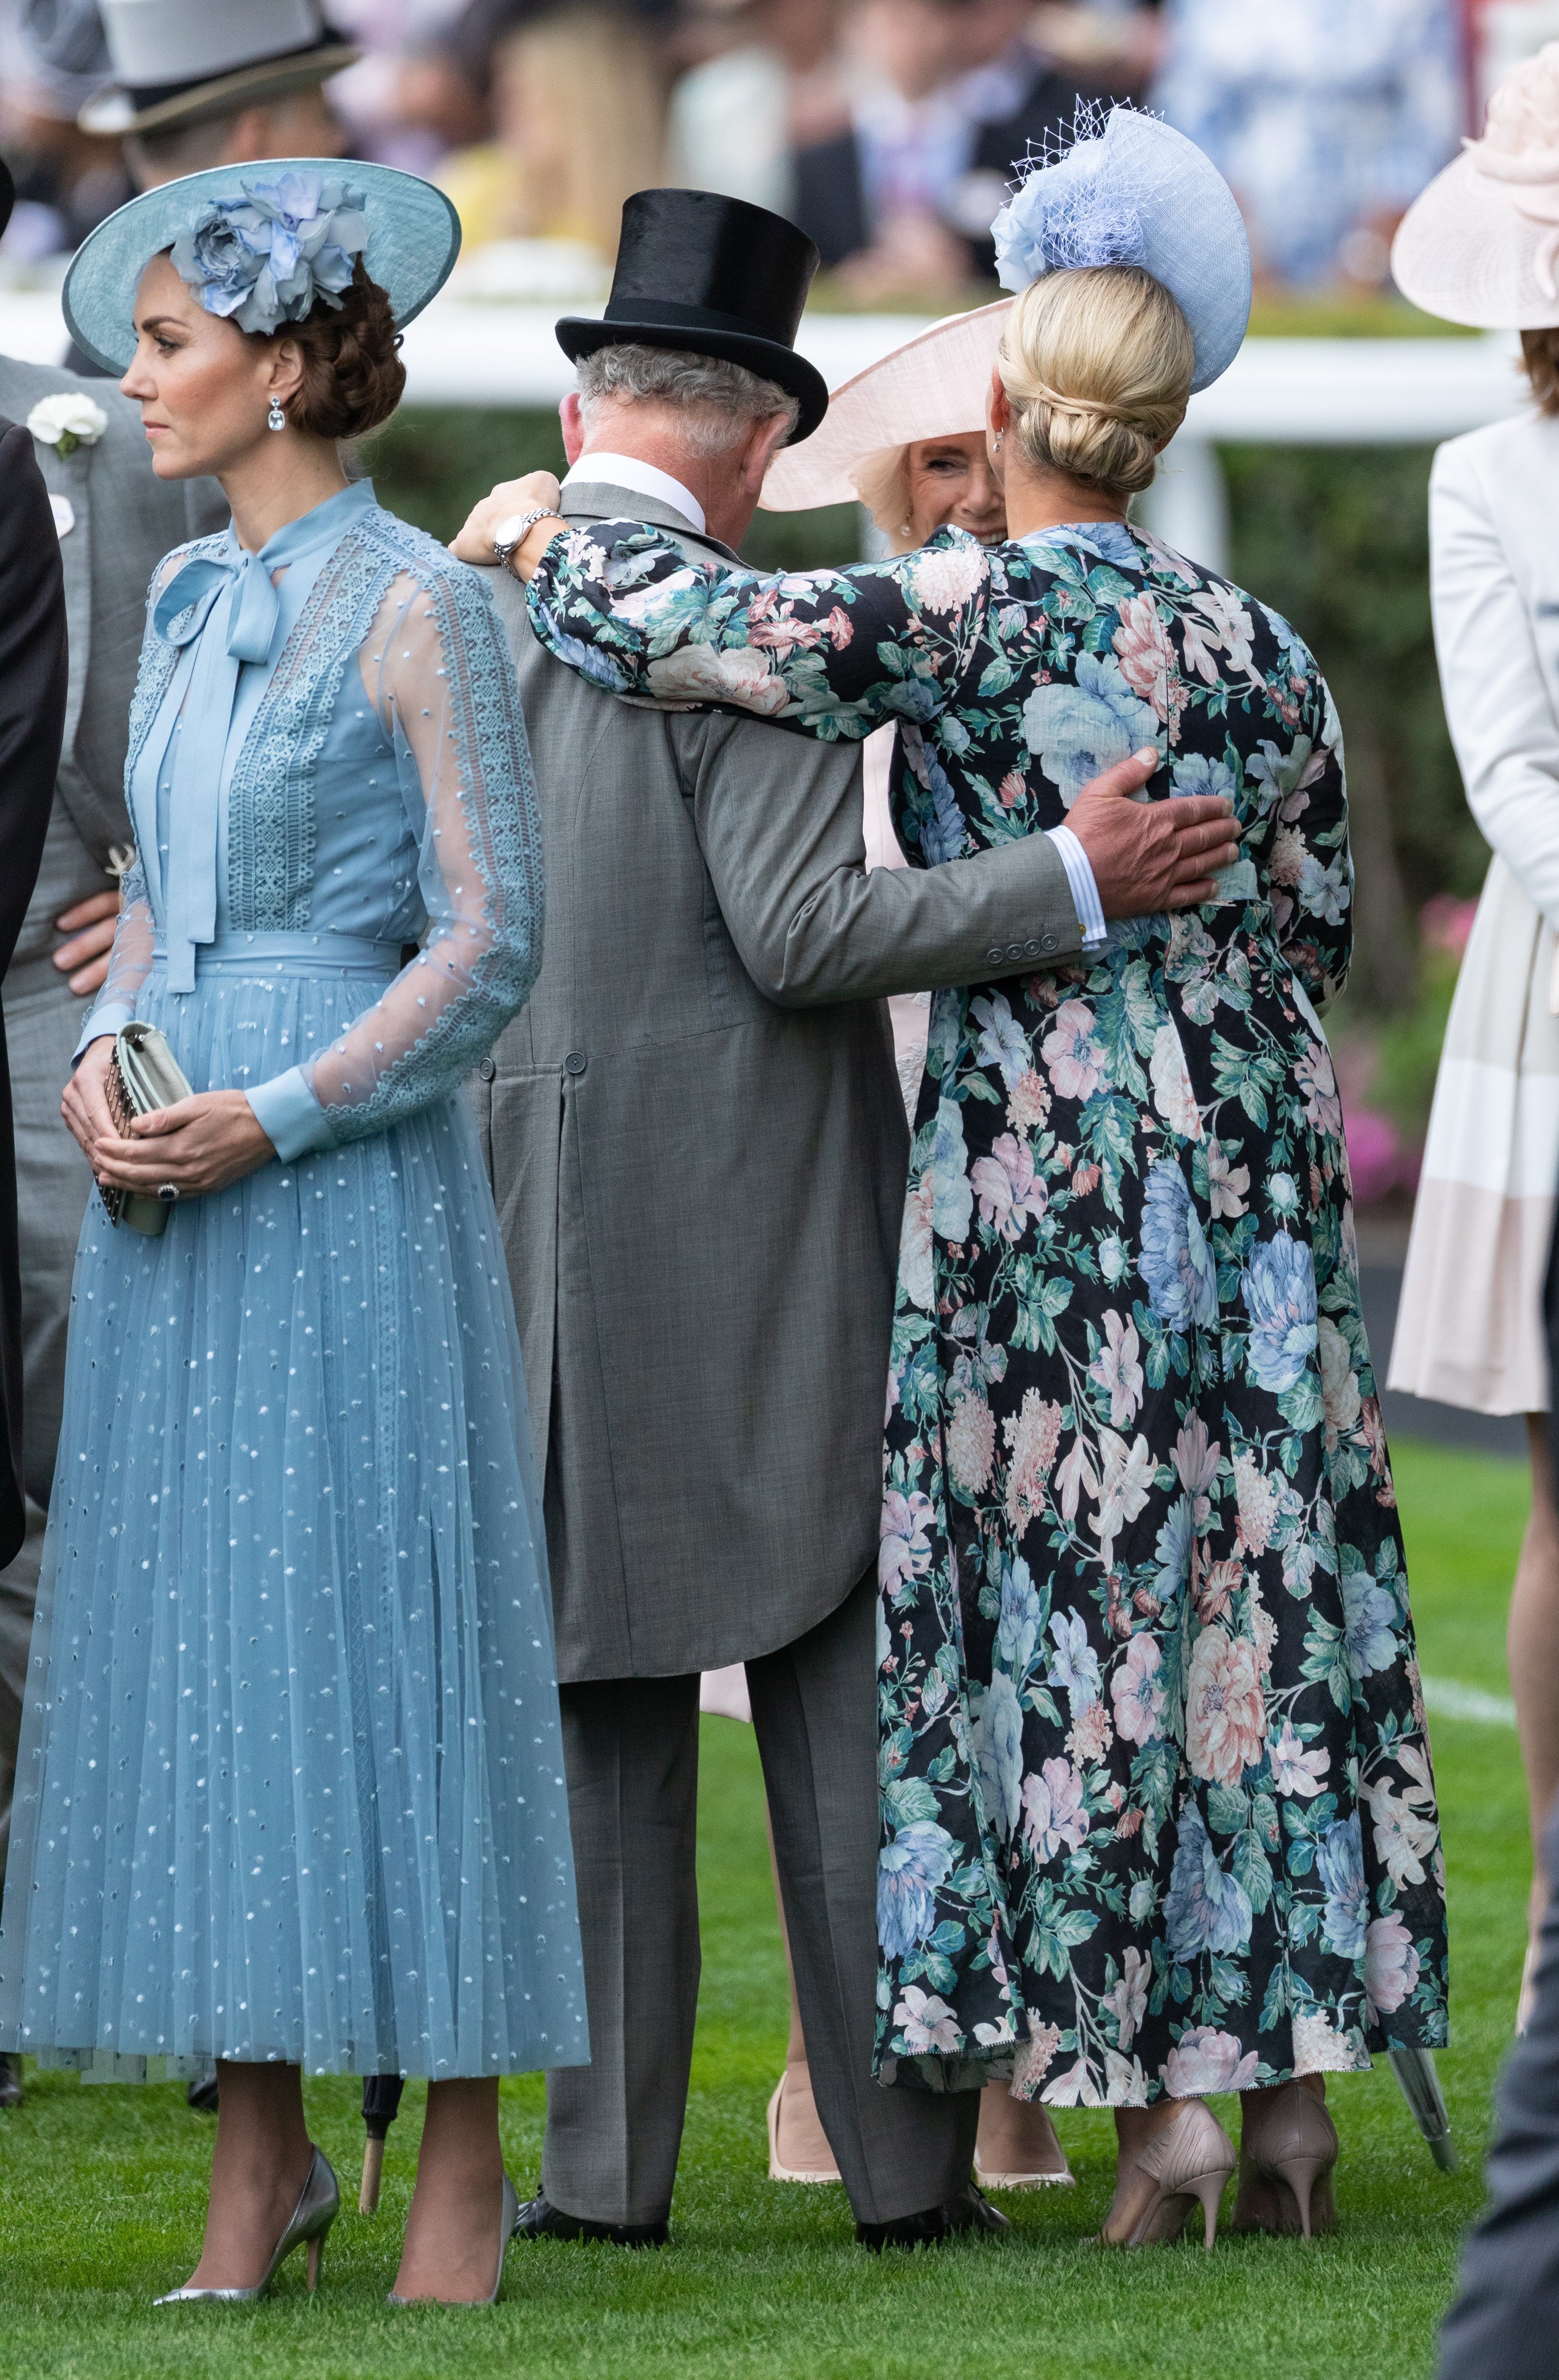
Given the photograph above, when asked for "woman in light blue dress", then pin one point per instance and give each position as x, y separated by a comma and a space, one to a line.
291, 1788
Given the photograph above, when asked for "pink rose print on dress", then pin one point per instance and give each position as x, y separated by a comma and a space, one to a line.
1391, 1964
1135, 1692
1225, 1716
1204, 2059
700, 674
1005, 1186
1145, 655
1074, 1060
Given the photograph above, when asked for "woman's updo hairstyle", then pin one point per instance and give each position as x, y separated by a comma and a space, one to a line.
1097, 364
353, 376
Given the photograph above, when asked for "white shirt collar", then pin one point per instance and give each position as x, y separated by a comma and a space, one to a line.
644, 479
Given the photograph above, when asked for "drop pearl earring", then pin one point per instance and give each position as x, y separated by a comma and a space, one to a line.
275, 419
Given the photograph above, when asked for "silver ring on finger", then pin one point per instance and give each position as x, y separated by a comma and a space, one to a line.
168, 1192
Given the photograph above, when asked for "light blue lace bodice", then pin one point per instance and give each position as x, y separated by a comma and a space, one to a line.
326, 740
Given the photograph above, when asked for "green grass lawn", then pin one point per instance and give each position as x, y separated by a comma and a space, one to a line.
102, 2190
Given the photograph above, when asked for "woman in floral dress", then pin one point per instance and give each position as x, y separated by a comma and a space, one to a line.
1159, 1818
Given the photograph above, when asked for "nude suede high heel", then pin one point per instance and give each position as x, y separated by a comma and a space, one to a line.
1287, 2148
316, 2210
1190, 2161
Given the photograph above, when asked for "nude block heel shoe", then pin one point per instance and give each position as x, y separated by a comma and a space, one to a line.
1287, 2148
312, 2216
806, 2155
1190, 2161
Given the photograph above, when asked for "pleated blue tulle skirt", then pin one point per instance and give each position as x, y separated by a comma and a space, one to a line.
291, 1777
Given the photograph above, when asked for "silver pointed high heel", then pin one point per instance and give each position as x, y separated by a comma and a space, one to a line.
311, 2218
510, 2217
1189, 2161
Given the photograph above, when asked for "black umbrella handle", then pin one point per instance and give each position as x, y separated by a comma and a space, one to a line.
380, 2105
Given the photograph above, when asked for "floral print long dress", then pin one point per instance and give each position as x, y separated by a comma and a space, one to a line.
1158, 1814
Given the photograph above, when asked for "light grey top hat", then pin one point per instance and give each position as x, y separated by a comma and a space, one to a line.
177, 61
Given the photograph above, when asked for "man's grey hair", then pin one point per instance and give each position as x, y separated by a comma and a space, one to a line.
721, 403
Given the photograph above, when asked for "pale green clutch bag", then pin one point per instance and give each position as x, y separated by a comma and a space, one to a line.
144, 1074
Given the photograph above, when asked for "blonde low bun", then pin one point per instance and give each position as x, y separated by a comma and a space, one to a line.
1097, 364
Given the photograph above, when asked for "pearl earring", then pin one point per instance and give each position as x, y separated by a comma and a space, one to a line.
275, 419
998, 438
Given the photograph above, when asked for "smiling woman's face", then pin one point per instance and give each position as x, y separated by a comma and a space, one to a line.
203, 388
952, 484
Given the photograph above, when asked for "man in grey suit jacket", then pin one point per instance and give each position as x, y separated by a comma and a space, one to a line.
115, 519
698, 1147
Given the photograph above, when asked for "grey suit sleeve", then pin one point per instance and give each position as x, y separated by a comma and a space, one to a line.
781, 824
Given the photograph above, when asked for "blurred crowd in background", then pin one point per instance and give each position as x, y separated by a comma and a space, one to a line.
887, 128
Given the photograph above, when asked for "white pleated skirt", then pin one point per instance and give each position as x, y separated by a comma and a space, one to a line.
1469, 1324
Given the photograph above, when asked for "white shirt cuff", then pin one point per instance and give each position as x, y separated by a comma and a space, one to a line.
290, 1116
1085, 891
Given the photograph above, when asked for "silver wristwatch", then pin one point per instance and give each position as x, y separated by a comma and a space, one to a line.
515, 531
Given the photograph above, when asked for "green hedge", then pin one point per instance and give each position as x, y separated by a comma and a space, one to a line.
1333, 536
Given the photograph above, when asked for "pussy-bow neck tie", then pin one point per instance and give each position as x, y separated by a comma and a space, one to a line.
232, 595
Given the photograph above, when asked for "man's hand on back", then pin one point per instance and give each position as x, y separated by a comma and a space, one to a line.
1150, 855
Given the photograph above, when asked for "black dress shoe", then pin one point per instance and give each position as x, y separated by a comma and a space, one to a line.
10, 2082
201, 2092
969, 2211
539, 2219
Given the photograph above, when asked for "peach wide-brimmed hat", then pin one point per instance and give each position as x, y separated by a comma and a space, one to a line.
1481, 245
934, 386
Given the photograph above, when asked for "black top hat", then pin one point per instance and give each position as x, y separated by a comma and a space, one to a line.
714, 275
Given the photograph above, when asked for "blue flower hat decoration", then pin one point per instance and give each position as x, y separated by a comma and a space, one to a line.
263, 244
1127, 188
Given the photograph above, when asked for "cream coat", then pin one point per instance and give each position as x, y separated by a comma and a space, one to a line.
1470, 1330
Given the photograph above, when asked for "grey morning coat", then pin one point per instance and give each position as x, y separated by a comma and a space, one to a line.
122, 519
698, 1147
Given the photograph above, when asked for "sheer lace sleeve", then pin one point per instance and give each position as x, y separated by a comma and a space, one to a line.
129, 961
828, 653
435, 668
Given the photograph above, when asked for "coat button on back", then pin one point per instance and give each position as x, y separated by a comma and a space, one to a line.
576, 1062
487, 1070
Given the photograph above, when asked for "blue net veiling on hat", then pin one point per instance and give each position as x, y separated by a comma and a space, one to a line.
1129, 189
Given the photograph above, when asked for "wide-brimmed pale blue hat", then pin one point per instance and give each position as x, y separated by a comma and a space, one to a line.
1129, 189
261, 243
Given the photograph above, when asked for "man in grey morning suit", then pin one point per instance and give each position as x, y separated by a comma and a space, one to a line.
699, 1150
116, 520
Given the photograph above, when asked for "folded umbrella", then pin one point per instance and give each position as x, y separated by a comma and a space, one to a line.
380, 2105
1420, 2087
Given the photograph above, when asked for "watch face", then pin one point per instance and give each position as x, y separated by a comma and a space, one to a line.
506, 531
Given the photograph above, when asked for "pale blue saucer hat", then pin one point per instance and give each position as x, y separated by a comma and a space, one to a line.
261, 244
1129, 189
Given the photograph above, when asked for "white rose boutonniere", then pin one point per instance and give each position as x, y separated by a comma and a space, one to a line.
67, 421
